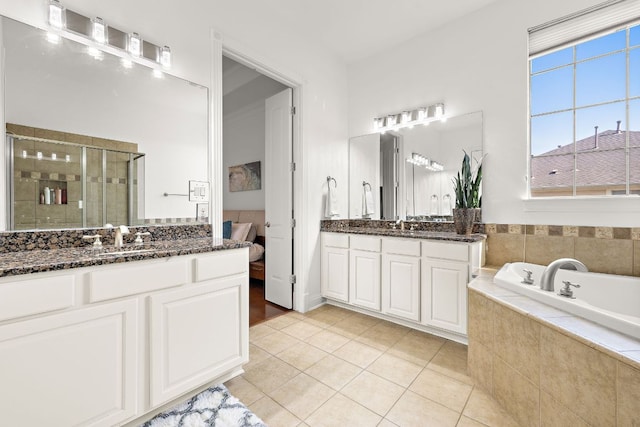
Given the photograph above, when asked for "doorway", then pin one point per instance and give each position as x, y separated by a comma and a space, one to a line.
257, 134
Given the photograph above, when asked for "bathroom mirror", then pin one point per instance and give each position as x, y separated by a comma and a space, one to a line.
407, 174
122, 110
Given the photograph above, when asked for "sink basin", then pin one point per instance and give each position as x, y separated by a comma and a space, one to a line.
125, 252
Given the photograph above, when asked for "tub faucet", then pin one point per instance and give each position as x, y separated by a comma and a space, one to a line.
549, 273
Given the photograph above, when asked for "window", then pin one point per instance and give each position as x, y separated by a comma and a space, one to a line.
584, 104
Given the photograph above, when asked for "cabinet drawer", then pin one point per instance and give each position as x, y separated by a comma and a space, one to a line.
401, 247
34, 296
446, 250
335, 240
365, 243
222, 264
136, 278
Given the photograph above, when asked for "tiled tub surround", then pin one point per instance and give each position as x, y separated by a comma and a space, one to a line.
541, 244
547, 367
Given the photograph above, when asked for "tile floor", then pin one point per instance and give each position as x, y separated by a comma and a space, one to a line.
335, 367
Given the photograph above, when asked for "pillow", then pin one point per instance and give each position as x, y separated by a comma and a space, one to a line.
226, 229
239, 230
253, 232
255, 252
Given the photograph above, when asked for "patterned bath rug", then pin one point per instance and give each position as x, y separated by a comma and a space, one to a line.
214, 407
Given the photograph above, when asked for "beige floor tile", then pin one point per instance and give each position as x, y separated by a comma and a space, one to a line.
281, 322
342, 411
373, 392
273, 414
256, 355
296, 315
302, 356
442, 389
350, 328
270, 374
357, 353
451, 360
339, 312
326, 317
302, 395
386, 423
259, 331
469, 422
301, 330
381, 336
396, 369
327, 341
414, 410
276, 342
417, 348
481, 407
246, 392
334, 372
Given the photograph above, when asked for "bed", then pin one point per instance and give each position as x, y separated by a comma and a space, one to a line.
255, 218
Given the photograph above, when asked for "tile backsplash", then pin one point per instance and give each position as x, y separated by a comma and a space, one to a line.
614, 250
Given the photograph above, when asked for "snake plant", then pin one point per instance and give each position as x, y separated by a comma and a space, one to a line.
467, 186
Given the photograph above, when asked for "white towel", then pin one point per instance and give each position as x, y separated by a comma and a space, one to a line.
446, 205
368, 207
434, 205
331, 208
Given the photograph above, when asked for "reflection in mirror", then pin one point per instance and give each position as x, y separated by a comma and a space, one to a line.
107, 118
410, 171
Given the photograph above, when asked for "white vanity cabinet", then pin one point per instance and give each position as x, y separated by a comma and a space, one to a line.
105, 345
401, 278
334, 278
364, 272
415, 282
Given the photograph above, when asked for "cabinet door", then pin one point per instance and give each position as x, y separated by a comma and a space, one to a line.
334, 280
197, 333
444, 295
401, 286
70, 369
364, 279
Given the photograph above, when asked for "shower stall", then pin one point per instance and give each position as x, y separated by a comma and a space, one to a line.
60, 184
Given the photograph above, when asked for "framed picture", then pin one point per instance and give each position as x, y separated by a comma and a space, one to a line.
245, 177
202, 212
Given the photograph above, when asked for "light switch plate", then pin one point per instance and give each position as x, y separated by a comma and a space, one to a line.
198, 191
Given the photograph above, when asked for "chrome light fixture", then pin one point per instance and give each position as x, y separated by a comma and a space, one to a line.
99, 30
134, 44
410, 118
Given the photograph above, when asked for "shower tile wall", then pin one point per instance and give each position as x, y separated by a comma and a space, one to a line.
614, 250
31, 176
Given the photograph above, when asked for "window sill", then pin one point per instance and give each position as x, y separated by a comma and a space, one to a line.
583, 204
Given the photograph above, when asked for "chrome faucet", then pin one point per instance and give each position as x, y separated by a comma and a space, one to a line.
401, 222
117, 240
549, 273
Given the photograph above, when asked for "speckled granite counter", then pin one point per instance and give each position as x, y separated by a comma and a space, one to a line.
35, 261
429, 231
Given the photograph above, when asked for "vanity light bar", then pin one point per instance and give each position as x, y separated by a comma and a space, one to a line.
420, 160
410, 118
95, 34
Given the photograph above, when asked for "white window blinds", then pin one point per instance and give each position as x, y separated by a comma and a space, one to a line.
571, 29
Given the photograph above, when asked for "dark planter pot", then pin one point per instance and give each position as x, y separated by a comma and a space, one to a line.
463, 219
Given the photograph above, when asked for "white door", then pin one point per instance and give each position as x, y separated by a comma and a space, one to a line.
278, 183
444, 294
401, 286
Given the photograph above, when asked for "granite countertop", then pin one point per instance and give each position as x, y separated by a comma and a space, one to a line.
415, 234
40, 260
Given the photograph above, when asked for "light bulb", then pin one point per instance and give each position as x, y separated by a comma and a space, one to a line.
39, 155
53, 156
56, 15
99, 30
165, 57
134, 45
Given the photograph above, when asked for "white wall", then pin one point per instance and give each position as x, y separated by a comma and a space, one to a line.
479, 63
244, 143
260, 35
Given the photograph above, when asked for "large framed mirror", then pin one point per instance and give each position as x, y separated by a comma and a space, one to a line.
111, 141
407, 174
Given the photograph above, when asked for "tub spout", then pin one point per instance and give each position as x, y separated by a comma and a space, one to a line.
549, 273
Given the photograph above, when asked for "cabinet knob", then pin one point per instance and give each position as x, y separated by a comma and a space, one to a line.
267, 224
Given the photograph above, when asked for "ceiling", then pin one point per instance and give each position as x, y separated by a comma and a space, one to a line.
356, 29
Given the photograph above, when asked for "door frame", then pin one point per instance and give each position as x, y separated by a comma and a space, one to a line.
220, 47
